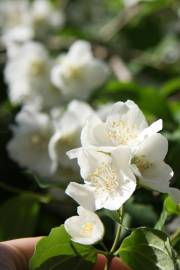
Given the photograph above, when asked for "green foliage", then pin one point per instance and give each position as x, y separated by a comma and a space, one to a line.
145, 38
57, 251
18, 217
147, 249
171, 207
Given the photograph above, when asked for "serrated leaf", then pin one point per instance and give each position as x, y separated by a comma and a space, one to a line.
147, 249
57, 251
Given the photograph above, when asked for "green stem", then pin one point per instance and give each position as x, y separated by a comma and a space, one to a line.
118, 232
161, 222
108, 263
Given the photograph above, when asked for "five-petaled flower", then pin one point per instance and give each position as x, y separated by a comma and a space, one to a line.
108, 177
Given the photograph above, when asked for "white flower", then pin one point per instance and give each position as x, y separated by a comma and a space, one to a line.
82, 195
86, 229
29, 144
15, 21
78, 72
45, 16
108, 177
21, 20
27, 75
124, 125
150, 168
149, 163
103, 110
17, 36
14, 13
68, 130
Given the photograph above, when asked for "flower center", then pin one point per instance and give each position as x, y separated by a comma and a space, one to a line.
35, 139
105, 178
38, 68
120, 133
39, 141
87, 229
141, 163
73, 72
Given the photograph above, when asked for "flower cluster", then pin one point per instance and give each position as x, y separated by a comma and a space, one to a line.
117, 155
40, 139
50, 122
22, 20
34, 77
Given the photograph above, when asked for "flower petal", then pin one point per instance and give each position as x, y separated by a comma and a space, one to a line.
154, 148
94, 133
157, 177
153, 128
82, 195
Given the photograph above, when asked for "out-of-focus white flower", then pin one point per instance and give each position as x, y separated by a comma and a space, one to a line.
45, 16
17, 36
108, 177
27, 75
149, 163
86, 229
78, 72
129, 3
124, 125
21, 20
68, 130
29, 144
15, 21
14, 13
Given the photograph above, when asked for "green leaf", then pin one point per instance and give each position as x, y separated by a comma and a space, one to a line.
141, 214
57, 251
147, 249
18, 217
111, 214
171, 207
151, 101
171, 87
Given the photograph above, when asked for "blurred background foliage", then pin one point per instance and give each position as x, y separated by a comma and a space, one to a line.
141, 42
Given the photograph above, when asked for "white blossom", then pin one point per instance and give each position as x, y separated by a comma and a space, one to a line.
21, 20
29, 144
78, 72
45, 16
130, 3
68, 130
107, 176
150, 168
125, 125
27, 75
14, 13
149, 163
86, 228
82, 195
